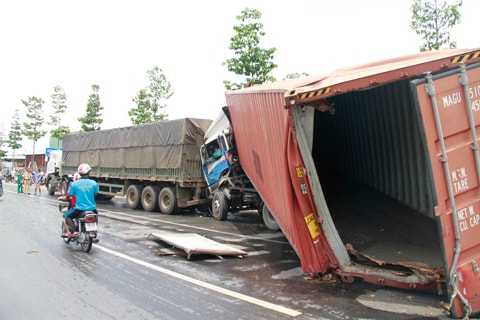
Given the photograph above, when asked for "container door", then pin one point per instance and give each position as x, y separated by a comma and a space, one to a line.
450, 110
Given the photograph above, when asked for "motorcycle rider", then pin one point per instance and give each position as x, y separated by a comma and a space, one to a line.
84, 190
71, 200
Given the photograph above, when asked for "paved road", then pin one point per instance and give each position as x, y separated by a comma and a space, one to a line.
129, 275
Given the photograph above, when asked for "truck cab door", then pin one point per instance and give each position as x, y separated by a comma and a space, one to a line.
449, 104
215, 159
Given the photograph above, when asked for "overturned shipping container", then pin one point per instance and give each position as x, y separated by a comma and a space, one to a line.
373, 172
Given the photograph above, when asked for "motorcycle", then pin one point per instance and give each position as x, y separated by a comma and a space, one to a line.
85, 228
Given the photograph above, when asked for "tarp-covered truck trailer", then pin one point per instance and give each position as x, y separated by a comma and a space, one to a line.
155, 165
373, 172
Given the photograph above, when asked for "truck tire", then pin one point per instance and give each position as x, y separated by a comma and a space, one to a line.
134, 193
220, 206
167, 201
50, 187
150, 198
64, 187
268, 219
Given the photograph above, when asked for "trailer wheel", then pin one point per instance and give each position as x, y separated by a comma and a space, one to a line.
268, 219
220, 206
167, 201
133, 195
150, 198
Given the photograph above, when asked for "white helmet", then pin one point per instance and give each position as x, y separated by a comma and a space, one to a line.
84, 169
76, 176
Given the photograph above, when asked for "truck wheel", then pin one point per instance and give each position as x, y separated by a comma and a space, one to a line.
50, 188
64, 187
220, 206
268, 219
167, 201
150, 198
134, 193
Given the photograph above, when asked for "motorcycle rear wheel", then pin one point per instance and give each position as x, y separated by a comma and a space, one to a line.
87, 245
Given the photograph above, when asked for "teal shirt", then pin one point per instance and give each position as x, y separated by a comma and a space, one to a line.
85, 191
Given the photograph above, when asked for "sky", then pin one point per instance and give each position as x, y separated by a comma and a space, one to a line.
113, 44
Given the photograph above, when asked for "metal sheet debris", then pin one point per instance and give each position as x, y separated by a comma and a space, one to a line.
193, 243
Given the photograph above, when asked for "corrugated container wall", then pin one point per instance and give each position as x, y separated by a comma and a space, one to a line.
374, 138
260, 119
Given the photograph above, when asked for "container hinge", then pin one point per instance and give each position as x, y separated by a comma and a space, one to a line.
466, 306
475, 266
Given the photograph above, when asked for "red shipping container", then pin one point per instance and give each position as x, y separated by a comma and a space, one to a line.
373, 171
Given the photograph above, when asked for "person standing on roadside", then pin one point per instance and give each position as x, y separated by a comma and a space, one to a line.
38, 182
19, 182
27, 180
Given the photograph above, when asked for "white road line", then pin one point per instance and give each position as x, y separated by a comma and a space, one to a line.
157, 220
258, 302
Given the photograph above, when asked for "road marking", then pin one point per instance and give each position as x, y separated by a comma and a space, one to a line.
236, 295
156, 220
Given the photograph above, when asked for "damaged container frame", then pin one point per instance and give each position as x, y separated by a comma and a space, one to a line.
373, 172
228, 187
156, 166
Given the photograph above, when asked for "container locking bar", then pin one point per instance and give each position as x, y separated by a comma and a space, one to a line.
453, 277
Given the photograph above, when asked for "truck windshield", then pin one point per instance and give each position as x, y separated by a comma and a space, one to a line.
213, 151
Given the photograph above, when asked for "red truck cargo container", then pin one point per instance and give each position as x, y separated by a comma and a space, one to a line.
373, 172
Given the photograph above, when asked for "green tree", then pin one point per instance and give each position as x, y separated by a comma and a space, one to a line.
93, 117
251, 61
32, 129
432, 21
150, 102
15, 135
59, 104
295, 75
3, 140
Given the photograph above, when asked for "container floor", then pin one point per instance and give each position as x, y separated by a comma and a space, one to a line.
379, 227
